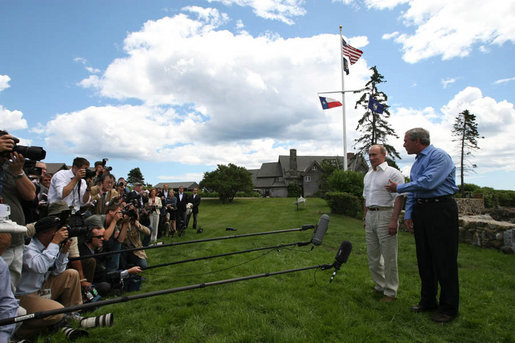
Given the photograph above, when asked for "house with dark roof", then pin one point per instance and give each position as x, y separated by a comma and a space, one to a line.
188, 185
273, 178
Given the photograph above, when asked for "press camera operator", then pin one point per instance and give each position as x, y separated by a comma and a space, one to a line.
103, 279
14, 187
115, 226
102, 194
72, 185
46, 284
133, 239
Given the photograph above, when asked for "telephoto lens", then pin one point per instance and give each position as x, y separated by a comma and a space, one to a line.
96, 322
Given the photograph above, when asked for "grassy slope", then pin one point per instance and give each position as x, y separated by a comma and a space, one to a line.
303, 306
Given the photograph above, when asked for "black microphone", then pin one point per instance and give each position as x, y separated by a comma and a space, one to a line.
320, 230
341, 257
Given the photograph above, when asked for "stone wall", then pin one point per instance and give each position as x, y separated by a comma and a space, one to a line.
470, 206
485, 232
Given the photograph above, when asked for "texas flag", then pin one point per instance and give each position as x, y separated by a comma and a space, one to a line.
329, 103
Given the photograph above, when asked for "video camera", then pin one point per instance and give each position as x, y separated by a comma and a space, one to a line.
35, 153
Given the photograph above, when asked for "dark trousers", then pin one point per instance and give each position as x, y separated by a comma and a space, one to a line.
194, 220
436, 239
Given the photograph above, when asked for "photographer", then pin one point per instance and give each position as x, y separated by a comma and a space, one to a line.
102, 194
14, 187
115, 226
101, 278
46, 284
71, 185
133, 239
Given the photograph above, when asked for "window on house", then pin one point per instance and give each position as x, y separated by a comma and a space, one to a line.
307, 178
314, 167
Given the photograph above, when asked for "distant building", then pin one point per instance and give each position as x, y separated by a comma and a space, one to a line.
188, 185
52, 168
273, 178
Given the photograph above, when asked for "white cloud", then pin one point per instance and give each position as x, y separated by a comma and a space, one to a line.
11, 120
84, 62
498, 82
390, 35
4, 82
282, 10
448, 81
384, 4
211, 96
452, 28
496, 122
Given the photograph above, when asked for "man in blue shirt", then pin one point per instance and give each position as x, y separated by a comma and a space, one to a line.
432, 214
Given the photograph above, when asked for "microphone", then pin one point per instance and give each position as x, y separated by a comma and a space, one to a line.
341, 257
318, 235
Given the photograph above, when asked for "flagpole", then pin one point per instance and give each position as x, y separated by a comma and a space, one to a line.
343, 104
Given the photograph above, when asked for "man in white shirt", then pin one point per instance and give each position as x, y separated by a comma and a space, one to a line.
70, 185
381, 211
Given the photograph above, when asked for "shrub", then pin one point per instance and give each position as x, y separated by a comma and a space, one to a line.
294, 190
345, 203
346, 181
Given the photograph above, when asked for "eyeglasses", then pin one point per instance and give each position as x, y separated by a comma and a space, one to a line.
99, 236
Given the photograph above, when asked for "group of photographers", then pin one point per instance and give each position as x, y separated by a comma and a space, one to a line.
74, 222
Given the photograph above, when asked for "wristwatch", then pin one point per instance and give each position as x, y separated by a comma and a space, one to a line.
20, 175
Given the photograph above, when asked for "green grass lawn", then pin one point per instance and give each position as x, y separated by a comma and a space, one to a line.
301, 306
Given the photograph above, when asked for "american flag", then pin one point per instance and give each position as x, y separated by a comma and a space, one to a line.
352, 53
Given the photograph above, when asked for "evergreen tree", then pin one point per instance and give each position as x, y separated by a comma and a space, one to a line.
135, 176
373, 125
466, 133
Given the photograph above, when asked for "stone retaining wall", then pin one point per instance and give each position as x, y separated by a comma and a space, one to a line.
470, 206
485, 232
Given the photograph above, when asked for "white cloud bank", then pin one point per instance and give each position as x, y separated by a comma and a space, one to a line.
451, 28
282, 10
496, 122
210, 96
10, 120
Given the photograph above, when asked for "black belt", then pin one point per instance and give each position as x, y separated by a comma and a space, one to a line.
422, 201
379, 208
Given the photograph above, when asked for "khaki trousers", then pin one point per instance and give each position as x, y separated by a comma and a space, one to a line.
382, 252
65, 288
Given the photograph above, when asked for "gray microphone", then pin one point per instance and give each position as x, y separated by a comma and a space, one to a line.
341, 257
318, 235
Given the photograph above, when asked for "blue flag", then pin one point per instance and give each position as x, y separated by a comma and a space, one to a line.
375, 106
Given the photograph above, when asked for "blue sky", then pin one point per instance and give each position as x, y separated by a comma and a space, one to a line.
177, 87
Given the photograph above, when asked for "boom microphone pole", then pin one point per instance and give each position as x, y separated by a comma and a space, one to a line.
227, 254
303, 228
42, 314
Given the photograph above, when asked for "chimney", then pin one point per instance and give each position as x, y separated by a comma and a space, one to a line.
293, 159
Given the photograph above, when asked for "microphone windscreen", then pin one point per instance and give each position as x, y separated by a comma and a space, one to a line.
319, 233
343, 253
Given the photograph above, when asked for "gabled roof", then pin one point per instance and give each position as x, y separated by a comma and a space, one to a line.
305, 162
270, 169
52, 168
175, 185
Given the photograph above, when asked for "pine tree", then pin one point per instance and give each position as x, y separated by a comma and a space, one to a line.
466, 133
373, 125
135, 176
